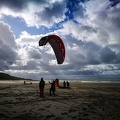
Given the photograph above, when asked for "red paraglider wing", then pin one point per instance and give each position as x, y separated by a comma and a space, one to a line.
57, 45
43, 41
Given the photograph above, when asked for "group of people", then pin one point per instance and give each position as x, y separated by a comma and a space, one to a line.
42, 85
66, 84
54, 84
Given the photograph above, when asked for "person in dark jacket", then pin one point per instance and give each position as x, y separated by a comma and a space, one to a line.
41, 87
52, 88
68, 84
64, 84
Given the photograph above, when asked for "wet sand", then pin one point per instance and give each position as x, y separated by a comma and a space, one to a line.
84, 101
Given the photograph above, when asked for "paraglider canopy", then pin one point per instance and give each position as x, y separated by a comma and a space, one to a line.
57, 45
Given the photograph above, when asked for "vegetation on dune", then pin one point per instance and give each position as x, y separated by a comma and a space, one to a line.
4, 76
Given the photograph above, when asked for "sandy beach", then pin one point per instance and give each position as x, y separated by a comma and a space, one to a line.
84, 101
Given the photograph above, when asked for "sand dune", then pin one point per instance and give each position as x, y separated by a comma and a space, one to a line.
84, 101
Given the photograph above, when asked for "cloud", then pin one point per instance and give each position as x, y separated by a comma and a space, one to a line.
85, 50
18, 4
7, 36
41, 13
8, 47
91, 40
82, 58
104, 20
107, 55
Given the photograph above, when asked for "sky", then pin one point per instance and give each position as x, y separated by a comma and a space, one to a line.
90, 30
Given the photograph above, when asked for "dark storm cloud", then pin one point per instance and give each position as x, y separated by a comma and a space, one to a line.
107, 55
30, 65
17, 4
114, 2
82, 72
51, 13
8, 47
118, 57
90, 59
7, 56
14, 4
85, 52
115, 18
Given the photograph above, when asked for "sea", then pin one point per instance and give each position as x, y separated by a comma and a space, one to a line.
95, 80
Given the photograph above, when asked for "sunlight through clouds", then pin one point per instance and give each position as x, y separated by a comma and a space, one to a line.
90, 34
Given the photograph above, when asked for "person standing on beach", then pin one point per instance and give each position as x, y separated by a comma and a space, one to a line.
41, 87
24, 82
52, 88
68, 84
64, 84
